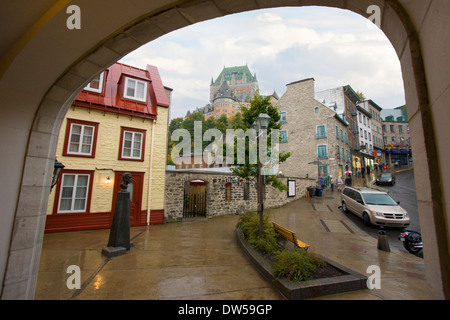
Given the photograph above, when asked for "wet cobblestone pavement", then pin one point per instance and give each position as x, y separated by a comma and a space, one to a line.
201, 260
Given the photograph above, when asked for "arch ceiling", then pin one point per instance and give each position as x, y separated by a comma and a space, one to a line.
43, 64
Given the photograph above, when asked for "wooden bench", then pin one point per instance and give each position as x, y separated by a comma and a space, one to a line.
289, 235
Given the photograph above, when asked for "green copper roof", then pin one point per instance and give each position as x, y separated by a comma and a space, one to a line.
238, 74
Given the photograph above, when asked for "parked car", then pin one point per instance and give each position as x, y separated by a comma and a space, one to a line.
385, 178
374, 207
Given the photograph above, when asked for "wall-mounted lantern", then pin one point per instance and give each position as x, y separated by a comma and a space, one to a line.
57, 169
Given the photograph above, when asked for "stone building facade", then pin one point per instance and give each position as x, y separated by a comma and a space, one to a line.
241, 195
377, 131
111, 129
315, 134
242, 83
224, 102
396, 134
344, 100
364, 156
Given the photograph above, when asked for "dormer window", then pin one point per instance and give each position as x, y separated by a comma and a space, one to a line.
135, 89
96, 85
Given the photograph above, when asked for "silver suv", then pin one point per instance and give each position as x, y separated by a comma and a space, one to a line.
374, 207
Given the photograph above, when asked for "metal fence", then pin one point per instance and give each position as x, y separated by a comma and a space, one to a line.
194, 205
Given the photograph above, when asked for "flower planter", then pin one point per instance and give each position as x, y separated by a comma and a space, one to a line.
348, 280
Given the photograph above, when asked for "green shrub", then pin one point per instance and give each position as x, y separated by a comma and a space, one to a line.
249, 224
297, 265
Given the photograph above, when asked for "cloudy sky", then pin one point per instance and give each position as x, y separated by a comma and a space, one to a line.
335, 47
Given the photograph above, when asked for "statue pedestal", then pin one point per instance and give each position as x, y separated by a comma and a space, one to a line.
111, 252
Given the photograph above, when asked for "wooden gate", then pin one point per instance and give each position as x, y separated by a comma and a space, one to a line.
194, 201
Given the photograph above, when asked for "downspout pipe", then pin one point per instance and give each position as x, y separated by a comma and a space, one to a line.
150, 173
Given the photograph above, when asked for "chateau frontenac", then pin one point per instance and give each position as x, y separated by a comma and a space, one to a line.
235, 86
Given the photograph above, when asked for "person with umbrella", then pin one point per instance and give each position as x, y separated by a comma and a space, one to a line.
348, 179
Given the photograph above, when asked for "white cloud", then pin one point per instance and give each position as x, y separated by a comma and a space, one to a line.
336, 47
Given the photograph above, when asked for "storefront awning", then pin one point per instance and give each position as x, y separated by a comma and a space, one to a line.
399, 151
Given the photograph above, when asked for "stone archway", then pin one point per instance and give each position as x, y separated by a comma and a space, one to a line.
411, 28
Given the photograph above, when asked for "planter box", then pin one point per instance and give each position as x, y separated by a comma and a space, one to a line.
349, 281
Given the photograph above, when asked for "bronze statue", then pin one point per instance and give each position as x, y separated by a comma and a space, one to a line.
119, 236
126, 180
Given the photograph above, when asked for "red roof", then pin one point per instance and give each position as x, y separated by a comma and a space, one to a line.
112, 98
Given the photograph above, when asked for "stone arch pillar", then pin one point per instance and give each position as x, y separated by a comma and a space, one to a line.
410, 26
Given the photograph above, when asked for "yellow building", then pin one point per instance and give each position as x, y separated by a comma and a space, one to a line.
117, 124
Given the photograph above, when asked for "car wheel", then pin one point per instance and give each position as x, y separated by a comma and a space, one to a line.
344, 207
366, 219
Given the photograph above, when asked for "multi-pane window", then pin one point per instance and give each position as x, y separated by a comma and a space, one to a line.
73, 194
321, 132
323, 171
80, 138
283, 135
135, 89
96, 85
132, 144
283, 118
322, 151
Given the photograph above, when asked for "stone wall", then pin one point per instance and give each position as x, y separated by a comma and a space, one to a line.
304, 115
216, 203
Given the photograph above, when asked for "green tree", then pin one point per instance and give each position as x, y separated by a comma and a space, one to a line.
236, 121
222, 123
175, 123
258, 105
361, 96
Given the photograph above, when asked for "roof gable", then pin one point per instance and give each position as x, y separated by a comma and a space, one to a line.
112, 97
238, 73
224, 92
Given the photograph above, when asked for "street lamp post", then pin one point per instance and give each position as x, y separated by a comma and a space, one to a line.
261, 123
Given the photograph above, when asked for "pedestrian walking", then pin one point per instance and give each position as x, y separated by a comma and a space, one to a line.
339, 184
348, 180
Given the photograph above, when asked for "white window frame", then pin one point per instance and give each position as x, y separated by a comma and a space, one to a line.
100, 88
74, 192
134, 133
125, 93
80, 144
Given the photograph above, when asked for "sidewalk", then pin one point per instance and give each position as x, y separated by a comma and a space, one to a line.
320, 223
200, 259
